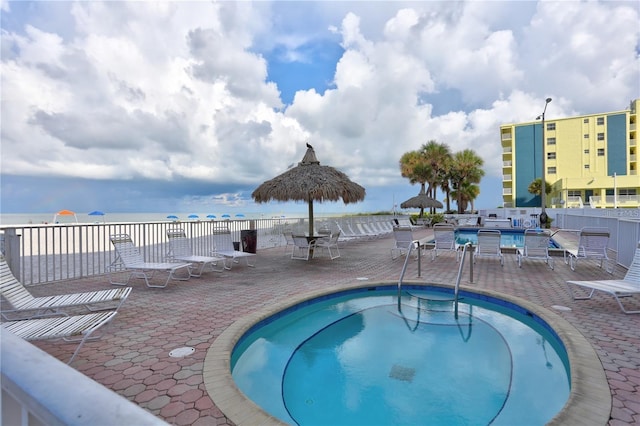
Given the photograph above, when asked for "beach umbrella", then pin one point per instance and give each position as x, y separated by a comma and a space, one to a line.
226, 216
172, 217
309, 182
211, 216
193, 216
96, 213
65, 213
239, 215
421, 201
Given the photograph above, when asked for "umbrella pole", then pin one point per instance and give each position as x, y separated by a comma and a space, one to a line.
310, 216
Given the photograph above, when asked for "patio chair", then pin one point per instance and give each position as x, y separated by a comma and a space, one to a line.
403, 239
224, 247
625, 287
180, 250
77, 328
24, 305
444, 239
288, 237
129, 259
592, 244
535, 247
329, 243
302, 247
488, 245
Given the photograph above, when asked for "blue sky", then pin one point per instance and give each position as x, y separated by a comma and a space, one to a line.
189, 106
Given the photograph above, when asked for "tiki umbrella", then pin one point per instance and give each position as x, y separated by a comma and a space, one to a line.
309, 182
421, 201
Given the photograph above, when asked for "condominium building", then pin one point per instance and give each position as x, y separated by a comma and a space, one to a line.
590, 160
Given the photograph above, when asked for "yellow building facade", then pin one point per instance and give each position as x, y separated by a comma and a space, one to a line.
589, 160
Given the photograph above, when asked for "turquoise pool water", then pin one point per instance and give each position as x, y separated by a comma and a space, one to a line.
360, 358
508, 237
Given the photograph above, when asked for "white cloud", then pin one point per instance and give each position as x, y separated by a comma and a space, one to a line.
172, 90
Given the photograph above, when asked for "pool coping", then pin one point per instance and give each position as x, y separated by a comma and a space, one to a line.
589, 400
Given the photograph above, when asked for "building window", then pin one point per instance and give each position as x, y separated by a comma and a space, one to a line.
600, 121
586, 151
600, 152
551, 170
551, 155
627, 191
551, 126
551, 141
586, 136
586, 166
574, 193
586, 120
600, 136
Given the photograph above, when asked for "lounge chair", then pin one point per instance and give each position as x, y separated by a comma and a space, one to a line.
302, 247
627, 286
224, 247
180, 250
77, 328
535, 247
129, 259
329, 243
592, 244
403, 239
444, 239
488, 245
24, 305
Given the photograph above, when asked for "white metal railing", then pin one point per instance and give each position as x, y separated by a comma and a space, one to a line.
506, 177
506, 164
38, 389
507, 191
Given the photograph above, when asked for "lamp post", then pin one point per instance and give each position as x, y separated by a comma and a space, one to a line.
543, 186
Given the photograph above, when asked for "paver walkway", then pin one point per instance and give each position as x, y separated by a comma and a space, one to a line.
133, 357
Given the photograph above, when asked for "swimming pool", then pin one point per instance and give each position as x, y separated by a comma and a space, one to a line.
357, 357
508, 237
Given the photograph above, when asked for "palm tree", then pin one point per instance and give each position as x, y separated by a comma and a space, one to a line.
438, 157
414, 168
466, 170
536, 186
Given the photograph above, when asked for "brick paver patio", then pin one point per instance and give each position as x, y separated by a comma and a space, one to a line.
133, 358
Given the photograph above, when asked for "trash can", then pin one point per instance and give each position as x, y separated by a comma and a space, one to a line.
249, 239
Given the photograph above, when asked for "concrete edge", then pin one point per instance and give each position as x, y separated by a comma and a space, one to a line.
589, 401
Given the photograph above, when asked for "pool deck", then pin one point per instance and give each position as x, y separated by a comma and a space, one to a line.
132, 358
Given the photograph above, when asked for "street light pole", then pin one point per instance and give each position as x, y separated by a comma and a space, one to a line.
543, 186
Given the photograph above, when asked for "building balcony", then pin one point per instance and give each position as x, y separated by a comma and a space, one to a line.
506, 136
622, 201
507, 178
507, 163
507, 191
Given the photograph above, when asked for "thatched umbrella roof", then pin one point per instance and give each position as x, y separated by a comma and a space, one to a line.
309, 182
421, 201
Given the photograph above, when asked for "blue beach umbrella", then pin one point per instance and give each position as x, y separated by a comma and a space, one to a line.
239, 215
193, 216
226, 215
96, 213
172, 217
211, 216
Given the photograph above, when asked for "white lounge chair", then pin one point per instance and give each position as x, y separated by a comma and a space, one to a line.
224, 247
180, 249
23, 305
77, 328
329, 243
444, 239
535, 247
129, 259
488, 245
592, 244
403, 239
302, 247
627, 286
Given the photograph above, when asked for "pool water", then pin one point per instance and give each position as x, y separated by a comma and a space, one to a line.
363, 359
508, 238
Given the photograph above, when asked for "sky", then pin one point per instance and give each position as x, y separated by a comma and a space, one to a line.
189, 106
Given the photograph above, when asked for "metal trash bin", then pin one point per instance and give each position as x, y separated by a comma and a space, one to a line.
249, 240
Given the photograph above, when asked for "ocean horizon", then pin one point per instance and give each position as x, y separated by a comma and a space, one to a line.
8, 219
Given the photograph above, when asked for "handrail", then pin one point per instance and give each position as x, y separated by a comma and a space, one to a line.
457, 287
412, 245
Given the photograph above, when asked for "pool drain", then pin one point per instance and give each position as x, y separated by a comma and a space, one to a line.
182, 352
